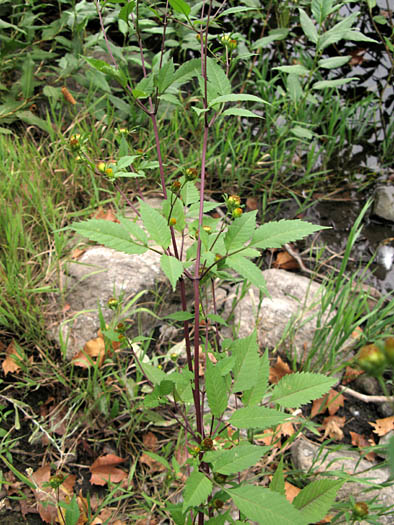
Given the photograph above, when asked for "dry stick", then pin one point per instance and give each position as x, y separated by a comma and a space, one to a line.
364, 397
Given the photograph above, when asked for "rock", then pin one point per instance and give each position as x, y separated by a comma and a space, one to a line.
308, 456
99, 274
294, 298
385, 409
367, 384
384, 202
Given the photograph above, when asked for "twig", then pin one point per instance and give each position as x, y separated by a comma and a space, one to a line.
364, 397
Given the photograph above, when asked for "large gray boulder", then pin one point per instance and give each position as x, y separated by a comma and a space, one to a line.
100, 274
293, 299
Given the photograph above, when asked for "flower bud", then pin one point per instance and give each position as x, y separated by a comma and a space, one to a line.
234, 200
176, 185
75, 141
372, 360
237, 213
172, 221
112, 303
101, 167
191, 174
207, 229
360, 510
109, 172
207, 444
389, 350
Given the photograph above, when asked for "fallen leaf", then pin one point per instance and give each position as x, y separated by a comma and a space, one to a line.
285, 261
104, 470
95, 348
150, 441
331, 402
252, 203
77, 252
45, 496
279, 370
383, 426
152, 464
291, 491
147, 521
361, 442
351, 374
105, 215
357, 57
10, 364
332, 426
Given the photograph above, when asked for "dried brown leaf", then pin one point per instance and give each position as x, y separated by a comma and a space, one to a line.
252, 203
45, 496
331, 402
150, 441
279, 370
351, 374
332, 426
291, 491
383, 426
285, 261
104, 470
105, 215
77, 252
10, 364
152, 464
360, 441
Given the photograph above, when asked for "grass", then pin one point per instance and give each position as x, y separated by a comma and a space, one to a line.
44, 189
287, 156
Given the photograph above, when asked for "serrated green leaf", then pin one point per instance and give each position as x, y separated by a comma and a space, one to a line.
247, 270
154, 374
33, 120
233, 97
215, 386
257, 417
189, 193
294, 87
254, 396
165, 76
72, 511
187, 71
302, 133
308, 26
134, 229
173, 209
277, 233
333, 62
172, 267
278, 479
275, 34
218, 77
240, 231
240, 112
357, 36
264, 506
197, 489
296, 69
294, 390
155, 224
180, 6
217, 319
323, 84
110, 234
246, 366
316, 499
336, 33
235, 459
180, 316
